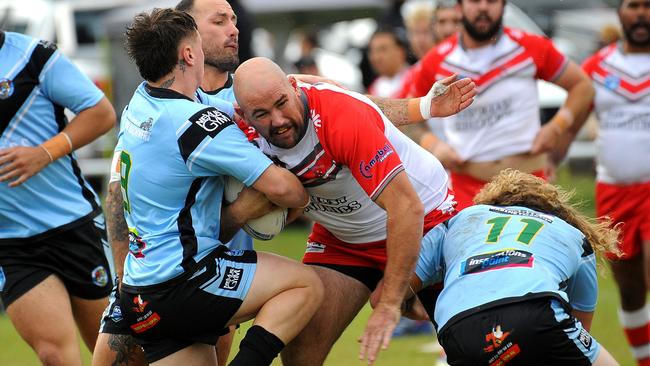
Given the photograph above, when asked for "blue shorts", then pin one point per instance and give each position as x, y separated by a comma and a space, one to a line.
193, 308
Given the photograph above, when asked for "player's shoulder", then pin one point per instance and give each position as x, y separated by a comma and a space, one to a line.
210, 120
36, 48
600, 55
438, 53
526, 39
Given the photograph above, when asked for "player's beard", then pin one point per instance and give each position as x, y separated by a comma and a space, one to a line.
223, 62
482, 36
634, 41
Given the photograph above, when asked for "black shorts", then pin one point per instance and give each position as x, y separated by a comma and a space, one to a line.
530, 332
192, 308
369, 276
112, 321
77, 256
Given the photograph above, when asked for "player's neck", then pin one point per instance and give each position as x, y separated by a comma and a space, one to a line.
213, 78
630, 48
469, 42
177, 82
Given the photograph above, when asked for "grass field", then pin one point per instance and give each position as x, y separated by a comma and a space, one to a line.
403, 351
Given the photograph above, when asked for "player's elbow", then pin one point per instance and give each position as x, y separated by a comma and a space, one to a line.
288, 195
411, 206
105, 117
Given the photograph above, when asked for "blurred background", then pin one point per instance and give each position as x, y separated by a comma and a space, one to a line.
331, 38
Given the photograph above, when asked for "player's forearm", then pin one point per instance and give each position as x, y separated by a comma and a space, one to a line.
400, 112
577, 104
90, 124
118, 230
232, 219
404, 228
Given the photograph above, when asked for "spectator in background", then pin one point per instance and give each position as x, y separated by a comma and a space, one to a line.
609, 34
246, 25
621, 76
419, 29
446, 19
306, 64
387, 51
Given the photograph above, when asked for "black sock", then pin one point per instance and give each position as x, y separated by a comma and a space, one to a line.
258, 348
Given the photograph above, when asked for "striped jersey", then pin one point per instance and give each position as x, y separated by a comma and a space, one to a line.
504, 118
173, 161
622, 103
37, 83
349, 153
491, 255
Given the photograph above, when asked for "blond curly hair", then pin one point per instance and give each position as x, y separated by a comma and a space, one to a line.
514, 188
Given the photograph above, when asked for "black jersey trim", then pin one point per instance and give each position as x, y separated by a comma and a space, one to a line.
587, 249
500, 302
2, 38
49, 233
163, 93
206, 122
186, 228
24, 83
227, 85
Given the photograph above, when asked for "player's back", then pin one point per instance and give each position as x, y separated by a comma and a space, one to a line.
495, 255
172, 205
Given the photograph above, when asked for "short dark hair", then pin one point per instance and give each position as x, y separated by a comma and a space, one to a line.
398, 35
152, 40
185, 5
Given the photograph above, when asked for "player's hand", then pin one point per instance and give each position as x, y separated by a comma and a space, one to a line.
21, 162
449, 157
251, 204
379, 331
314, 79
455, 96
547, 138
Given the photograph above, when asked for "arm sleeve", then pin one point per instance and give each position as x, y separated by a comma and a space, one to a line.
64, 84
582, 288
354, 136
550, 62
430, 268
214, 144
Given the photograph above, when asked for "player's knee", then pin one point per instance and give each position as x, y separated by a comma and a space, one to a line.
315, 287
52, 355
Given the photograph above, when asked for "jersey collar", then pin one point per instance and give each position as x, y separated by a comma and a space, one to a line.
227, 85
163, 93
2, 38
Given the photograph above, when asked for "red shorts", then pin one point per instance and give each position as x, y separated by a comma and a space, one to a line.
630, 205
324, 248
466, 187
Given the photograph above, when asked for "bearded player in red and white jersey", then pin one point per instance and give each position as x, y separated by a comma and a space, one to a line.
502, 128
373, 193
621, 76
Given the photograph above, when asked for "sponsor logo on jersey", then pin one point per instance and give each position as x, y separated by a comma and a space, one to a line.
136, 244
315, 119
504, 351
612, 82
6, 88
235, 252
380, 156
333, 205
313, 247
212, 119
137, 129
585, 338
231, 278
497, 260
527, 213
100, 276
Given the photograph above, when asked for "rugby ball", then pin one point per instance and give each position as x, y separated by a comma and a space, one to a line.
264, 227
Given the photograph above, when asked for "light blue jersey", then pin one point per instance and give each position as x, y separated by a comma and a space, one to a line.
175, 153
240, 240
36, 84
506, 254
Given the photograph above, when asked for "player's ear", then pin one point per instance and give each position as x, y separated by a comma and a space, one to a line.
293, 81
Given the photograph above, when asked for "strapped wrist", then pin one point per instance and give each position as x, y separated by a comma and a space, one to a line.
57, 146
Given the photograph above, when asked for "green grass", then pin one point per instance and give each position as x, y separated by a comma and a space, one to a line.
402, 351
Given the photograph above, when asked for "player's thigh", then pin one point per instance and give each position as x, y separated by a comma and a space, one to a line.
344, 297
273, 275
197, 354
117, 350
87, 314
46, 303
605, 359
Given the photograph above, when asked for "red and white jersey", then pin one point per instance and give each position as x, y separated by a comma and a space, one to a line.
504, 118
622, 103
349, 154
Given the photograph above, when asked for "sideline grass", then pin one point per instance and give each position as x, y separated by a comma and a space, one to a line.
403, 351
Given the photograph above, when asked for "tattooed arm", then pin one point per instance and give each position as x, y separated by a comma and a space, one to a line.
118, 231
